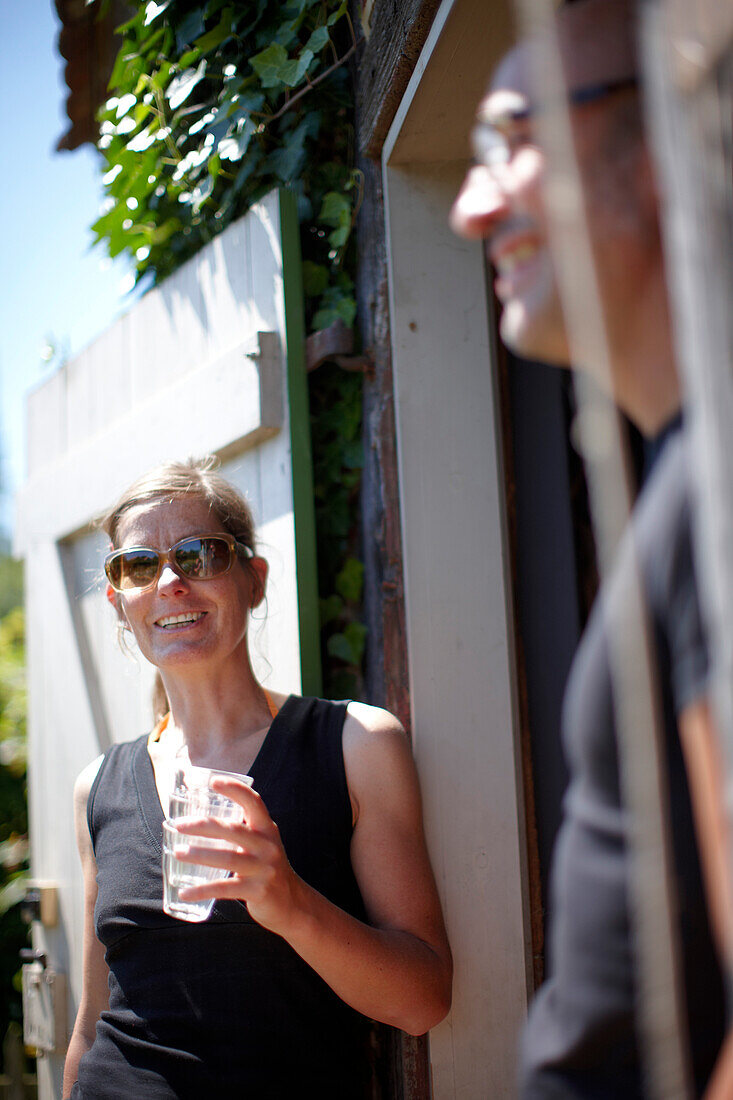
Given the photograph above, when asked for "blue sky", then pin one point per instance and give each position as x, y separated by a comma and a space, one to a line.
53, 284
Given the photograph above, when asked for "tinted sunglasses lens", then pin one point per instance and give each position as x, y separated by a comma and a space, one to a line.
133, 569
203, 558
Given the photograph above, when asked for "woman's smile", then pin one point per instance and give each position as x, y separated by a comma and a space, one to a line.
187, 618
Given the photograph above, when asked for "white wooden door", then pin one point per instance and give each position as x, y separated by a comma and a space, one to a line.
209, 362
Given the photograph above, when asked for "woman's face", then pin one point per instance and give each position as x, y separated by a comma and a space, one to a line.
180, 621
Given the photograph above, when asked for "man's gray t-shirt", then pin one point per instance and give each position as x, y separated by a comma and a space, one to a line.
580, 1040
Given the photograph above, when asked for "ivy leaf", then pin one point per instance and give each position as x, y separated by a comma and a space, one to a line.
164, 232
125, 103
250, 162
267, 64
287, 33
338, 646
13, 852
236, 106
294, 8
153, 10
318, 40
335, 16
349, 646
142, 141
353, 455
315, 279
201, 194
235, 146
188, 58
330, 609
350, 581
254, 12
160, 77
336, 304
128, 61
181, 86
222, 30
339, 237
336, 209
14, 892
287, 161
190, 28
227, 107
292, 72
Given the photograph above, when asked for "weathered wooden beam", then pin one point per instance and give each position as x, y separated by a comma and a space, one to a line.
386, 62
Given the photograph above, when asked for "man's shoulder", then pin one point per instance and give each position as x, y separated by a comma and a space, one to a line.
669, 481
663, 511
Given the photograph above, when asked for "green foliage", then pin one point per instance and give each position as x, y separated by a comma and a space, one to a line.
11, 584
336, 404
213, 104
13, 810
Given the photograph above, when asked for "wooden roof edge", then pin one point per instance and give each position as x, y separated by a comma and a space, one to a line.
87, 43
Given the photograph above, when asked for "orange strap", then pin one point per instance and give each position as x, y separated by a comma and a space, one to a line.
158, 729
271, 706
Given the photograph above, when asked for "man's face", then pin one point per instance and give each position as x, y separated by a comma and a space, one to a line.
502, 198
501, 201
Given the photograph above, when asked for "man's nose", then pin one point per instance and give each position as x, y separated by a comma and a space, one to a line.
480, 204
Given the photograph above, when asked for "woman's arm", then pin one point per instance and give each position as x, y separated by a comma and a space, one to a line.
397, 968
95, 991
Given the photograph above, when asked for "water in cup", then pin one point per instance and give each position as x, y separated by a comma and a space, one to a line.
177, 874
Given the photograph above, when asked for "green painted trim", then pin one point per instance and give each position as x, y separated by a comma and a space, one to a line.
300, 446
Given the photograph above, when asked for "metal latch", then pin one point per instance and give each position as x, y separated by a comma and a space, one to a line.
41, 903
44, 1003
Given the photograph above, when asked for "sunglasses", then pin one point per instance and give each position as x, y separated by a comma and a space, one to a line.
199, 558
491, 144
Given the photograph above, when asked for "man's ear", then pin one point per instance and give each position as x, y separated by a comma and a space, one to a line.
258, 569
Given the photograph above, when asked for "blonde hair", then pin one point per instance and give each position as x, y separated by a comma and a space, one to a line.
198, 478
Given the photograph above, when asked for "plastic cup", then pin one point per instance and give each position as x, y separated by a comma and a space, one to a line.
177, 874
192, 797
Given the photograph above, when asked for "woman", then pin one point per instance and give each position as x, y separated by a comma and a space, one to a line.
329, 914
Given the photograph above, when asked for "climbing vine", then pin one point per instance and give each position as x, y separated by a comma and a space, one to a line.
211, 106
13, 809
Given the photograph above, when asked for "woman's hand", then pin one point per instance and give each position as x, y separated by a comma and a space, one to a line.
258, 868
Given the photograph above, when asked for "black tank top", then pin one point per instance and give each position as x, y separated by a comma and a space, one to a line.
223, 1008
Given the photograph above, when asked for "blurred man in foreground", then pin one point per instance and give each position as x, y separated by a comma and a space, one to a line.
581, 1039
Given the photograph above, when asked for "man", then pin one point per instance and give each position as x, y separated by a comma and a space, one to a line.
582, 1035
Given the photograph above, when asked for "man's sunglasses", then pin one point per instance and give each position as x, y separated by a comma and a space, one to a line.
491, 144
200, 558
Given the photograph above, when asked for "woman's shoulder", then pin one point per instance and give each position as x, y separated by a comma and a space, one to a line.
369, 720
380, 770
88, 775
363, 730
85, 779
372, 735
